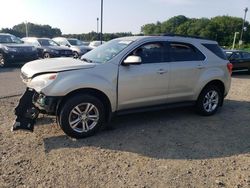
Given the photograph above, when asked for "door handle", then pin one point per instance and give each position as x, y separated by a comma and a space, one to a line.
162, 71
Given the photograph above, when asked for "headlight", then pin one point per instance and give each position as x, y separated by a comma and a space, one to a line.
42, 81
7, 49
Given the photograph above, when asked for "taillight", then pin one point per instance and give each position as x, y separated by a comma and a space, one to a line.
230, 68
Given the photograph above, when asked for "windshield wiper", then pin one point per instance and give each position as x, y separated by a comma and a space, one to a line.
87, 60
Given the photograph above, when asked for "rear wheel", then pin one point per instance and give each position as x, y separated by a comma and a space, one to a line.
2, 61
81, 116
209, 101
46, 55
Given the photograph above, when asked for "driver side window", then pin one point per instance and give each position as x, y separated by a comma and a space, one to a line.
151, 52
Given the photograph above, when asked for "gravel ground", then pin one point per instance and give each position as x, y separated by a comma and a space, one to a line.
170, 148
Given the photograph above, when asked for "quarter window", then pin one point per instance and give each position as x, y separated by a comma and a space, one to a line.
185, 52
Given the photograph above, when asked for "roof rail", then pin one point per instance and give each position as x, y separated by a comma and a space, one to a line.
187, 36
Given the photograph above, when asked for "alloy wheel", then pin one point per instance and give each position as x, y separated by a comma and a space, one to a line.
211, 101
83, 117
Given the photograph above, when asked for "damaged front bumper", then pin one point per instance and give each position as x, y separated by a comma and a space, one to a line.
30, 105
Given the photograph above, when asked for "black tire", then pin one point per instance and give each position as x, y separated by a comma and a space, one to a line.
46, 55
249, 71
84, 126
2, 61
207, 106
75, 55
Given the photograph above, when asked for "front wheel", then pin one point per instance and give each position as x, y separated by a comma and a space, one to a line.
2, 60
46, 55
81, 116
209, 101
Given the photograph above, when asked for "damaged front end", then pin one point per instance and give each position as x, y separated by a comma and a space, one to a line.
26, 112
30, 105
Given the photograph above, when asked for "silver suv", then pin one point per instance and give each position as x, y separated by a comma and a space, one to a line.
126, 75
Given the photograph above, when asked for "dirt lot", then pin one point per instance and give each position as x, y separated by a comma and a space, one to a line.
170, 148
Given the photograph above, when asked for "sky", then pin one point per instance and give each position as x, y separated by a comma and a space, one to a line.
80, 16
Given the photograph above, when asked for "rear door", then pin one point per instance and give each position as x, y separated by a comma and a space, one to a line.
185, 68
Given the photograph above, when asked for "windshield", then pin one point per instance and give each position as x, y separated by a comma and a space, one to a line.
10, 39
107, 51
47, 42
75, 42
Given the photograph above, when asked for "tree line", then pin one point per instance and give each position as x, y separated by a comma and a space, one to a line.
36, 30
219, 28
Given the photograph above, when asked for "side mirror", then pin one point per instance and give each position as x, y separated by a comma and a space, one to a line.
133, 60
67, 45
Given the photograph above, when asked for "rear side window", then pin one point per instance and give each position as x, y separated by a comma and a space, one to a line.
245, 55
185, 52
216, 50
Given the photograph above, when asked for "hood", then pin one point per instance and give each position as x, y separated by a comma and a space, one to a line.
53, 65
14, 45
81, 48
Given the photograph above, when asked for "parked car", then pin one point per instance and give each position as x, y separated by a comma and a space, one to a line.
239, 59
13, 51
48, 48
95, 44
75, 45
127, 75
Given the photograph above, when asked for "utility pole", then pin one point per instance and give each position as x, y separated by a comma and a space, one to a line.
101, 20
97, 28
243, 26
235, 35
26, 29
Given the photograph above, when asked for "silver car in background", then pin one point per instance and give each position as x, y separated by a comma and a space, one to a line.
75, 45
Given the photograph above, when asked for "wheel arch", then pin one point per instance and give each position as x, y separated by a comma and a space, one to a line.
219, 84
90, 91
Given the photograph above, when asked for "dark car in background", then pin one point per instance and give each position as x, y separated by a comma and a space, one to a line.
13, 51
78, 47
239, 59
47, 48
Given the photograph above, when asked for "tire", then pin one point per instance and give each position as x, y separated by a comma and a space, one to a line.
209, 100
75, 55
81, 116
2, 61
249, 71
46, 55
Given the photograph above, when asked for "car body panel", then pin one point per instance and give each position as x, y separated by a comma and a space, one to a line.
239, 59
135, 86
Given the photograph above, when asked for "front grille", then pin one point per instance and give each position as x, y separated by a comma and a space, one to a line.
66, 52
24, 49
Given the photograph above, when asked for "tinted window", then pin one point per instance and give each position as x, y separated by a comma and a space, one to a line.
185, 52
235, 56
216, 50
151, 52
47, 42
245, 55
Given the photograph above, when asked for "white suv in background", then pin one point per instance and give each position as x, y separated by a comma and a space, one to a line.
127, 75
75, 45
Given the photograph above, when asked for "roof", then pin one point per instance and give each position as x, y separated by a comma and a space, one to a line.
181, 38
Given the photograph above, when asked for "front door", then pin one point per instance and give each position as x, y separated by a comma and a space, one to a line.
145, 84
